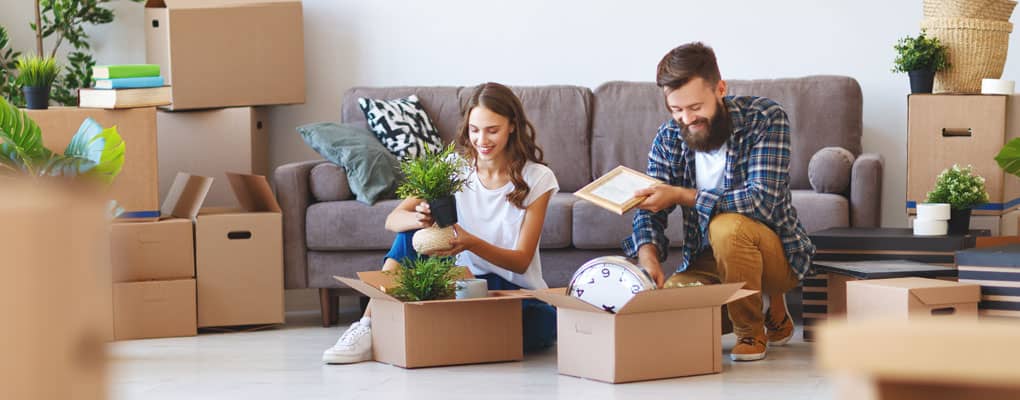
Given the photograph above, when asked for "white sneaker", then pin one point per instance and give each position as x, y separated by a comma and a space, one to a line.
355, 345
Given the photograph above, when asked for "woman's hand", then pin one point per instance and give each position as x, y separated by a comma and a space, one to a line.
423, 214
462, 241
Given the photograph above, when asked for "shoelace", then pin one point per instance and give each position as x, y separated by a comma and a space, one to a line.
750, 341
347, 339
769, 323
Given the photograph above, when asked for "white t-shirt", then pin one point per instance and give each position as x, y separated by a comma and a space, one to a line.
710, 168
487, 214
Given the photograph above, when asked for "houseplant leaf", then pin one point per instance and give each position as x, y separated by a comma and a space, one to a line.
22, 145
1009, 157
94, 151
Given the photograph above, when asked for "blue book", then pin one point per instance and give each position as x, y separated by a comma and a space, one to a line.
129, 83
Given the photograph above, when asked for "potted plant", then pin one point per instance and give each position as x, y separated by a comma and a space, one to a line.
920, 58
434, 177
962, 190
36, 76
425, 278
95, 153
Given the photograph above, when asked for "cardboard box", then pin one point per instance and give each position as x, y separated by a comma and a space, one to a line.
55, 294
227, 53
943, 130
911, 298
441, 332
1007, 224
624, 347
924, 359
163, 250
154, 309
210, 142
135, 189
239, 258
997, 270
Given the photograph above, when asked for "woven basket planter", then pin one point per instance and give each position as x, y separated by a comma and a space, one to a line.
977, 50
996, 10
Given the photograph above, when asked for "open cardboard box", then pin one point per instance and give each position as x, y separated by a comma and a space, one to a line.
627, 346
441, 332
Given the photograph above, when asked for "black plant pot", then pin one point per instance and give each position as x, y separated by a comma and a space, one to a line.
444, 211
921, 80
36, 97
959, 221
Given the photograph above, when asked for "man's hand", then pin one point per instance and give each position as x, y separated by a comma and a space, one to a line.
662, 196
648, 257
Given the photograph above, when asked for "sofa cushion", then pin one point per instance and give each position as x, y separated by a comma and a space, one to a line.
558, 226
328, 182
823, 111
402, 125
349, 225
829, 170
598, 228
371, 170
440, 103
818, 211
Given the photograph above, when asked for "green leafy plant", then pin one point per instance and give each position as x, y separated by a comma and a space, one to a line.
425, 278
1009, 157
94, 152
433, 175
920, 53
36, 71
68, 21
959, 187
8, 64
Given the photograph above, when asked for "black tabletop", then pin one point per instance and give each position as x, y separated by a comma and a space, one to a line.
884, 269
891, 239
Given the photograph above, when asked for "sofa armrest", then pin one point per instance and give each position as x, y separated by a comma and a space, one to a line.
866, 191
294, 195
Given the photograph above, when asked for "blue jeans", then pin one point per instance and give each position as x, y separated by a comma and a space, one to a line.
538, 318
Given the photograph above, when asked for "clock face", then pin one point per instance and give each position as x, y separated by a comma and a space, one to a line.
608, 282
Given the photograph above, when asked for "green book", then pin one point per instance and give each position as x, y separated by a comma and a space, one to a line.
125, 71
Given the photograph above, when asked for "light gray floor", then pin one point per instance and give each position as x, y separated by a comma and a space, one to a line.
284, 364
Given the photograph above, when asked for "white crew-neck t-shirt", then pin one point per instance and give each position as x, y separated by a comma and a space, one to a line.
709, 168
487, 214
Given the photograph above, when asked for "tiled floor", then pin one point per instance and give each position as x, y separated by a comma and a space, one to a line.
284, 364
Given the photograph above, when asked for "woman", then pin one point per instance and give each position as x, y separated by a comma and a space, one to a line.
500, 214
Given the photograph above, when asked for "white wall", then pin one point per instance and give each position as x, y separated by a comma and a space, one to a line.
533, 42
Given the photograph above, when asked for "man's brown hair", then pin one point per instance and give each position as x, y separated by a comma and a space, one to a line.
686, 62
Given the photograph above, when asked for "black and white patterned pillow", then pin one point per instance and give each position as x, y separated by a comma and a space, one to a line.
402, 126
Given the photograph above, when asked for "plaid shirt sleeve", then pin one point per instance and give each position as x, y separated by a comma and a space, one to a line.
650, 227
767, 174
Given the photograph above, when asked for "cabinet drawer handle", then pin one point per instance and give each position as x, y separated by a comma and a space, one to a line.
951, 132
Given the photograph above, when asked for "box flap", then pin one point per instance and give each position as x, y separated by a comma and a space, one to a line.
559, 299
960, 293
365, 288
253, 192
184, 4
186, 195
683, 298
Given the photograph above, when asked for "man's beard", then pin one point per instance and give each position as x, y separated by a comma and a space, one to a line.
716, 132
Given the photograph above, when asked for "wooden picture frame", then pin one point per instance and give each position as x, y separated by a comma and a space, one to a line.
613, 191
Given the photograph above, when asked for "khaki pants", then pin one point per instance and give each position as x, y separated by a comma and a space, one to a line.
743, 250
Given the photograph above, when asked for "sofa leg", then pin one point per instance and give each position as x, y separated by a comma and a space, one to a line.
328, 307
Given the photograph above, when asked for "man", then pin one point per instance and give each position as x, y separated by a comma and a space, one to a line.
725, 160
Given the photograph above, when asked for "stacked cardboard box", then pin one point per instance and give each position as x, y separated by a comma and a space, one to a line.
625, 347
825, 292
911, 298
943, 130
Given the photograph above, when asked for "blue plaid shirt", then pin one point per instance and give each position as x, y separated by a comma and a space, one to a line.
756, 184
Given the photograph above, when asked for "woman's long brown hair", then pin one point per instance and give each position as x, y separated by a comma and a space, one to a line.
521, 146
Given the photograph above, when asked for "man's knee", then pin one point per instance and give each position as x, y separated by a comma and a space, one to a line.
724, 228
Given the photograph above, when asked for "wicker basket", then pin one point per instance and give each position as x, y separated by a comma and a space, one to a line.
977, 50
996, 10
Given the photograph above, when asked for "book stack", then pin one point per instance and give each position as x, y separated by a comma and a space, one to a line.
125, 86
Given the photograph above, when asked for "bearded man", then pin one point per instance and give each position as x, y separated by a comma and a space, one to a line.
725, 160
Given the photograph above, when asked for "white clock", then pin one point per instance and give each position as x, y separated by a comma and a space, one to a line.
609, 282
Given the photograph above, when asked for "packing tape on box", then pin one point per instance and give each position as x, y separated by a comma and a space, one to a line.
933, 212
997, 86
930, 228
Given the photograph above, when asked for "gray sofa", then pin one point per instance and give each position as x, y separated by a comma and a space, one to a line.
584, 134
